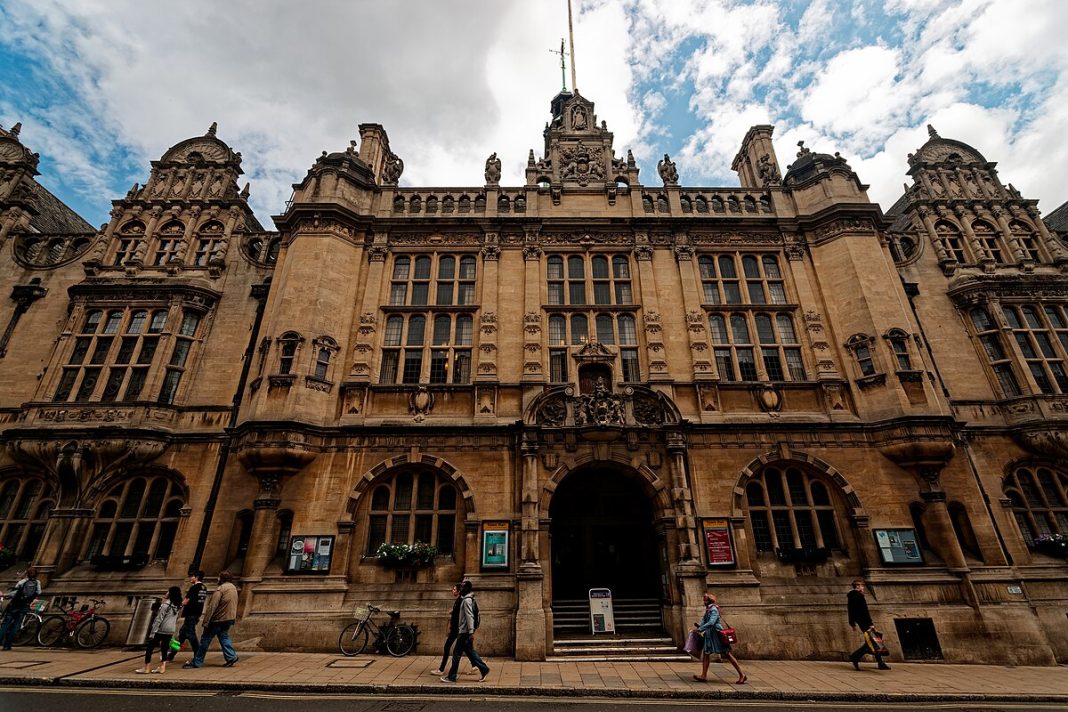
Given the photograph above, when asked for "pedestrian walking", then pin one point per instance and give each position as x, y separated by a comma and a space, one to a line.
859, 617
709, 627
192, 608
163, 625
467, 623
22, 596
454, 623
220, 613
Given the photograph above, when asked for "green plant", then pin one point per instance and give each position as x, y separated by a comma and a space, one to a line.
406, 555
7, 556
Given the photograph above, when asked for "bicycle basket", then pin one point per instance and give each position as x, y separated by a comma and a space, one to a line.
360, 611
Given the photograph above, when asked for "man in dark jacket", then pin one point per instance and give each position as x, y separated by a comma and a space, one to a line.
465, 640
859, 617
192, 608
22, 595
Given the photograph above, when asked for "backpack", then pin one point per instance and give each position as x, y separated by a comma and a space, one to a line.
474, 612
26, 592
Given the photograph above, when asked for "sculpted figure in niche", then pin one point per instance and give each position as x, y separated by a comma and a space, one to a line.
493, 169
391, 172
578, 119
667, 170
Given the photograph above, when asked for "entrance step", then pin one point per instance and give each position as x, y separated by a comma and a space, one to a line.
616, 648
631, 615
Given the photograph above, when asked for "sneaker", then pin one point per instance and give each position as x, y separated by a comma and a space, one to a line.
483, 678
884, 666
141, 671
189, 666
446, 678
231, 663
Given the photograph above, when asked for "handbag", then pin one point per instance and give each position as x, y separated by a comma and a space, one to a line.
694, 644
727, 635
873, 638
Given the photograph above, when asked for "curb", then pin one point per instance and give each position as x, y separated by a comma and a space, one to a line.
486, 691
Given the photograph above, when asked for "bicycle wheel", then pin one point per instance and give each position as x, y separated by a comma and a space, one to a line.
400, 641
91, 633
52, 630
353, 639
31, 626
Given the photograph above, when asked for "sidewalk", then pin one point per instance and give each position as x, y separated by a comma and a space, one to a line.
321, 673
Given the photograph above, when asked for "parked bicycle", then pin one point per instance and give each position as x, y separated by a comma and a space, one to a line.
31, 625
397, 639
83, 625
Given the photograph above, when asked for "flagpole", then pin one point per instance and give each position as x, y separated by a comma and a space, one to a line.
571, 35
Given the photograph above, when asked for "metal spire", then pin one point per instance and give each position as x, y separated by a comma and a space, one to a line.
563, 67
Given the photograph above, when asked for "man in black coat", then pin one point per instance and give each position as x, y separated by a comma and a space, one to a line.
860, 617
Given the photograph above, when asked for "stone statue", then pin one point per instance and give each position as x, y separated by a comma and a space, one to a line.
578, 119
668, 173
769, 174
493, 169
391, 172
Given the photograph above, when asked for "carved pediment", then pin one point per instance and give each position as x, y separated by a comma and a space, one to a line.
634, 407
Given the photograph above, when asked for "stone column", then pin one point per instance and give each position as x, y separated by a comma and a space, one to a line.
1056, 250
704, 368
940, 249
486, 358
1018, 252
979, 249
650, 301
531, 631
682, 497
533, 369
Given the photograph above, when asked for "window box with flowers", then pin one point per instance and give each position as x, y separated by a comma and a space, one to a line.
1052, 545
7, 557
406, 556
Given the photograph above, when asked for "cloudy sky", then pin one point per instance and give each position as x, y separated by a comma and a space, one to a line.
104, 86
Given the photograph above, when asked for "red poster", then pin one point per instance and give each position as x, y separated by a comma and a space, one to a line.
718, 542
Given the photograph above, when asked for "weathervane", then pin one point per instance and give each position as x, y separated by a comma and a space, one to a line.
563, 53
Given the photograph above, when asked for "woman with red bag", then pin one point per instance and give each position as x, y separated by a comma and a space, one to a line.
710, 627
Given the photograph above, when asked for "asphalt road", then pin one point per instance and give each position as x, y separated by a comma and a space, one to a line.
40, 699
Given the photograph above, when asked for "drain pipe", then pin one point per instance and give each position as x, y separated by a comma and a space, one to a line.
259, 293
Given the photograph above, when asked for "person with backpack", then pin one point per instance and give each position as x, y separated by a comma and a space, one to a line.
467, 624
163, 625
454, 624
192, 608
22, 596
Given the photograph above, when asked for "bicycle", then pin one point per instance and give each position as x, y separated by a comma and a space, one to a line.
84, 625
397, 639
30, 626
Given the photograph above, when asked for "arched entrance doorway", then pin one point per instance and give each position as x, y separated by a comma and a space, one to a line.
602, 535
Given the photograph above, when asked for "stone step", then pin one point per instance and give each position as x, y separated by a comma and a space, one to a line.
609, 640
651, 658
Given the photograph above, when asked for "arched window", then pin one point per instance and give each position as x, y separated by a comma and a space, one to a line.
1041, 353
137, 518
209, 239
1023, 233
860, 345
167, 240
951, 239
130, 234
899, 344
413, 506
1039, 497
24, 507
987, 236
790, 509
288, 344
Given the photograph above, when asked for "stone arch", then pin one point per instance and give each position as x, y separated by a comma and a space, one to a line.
443, 467
786, 455
101, 487
656, 488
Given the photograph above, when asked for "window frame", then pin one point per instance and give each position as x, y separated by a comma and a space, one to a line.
386, 519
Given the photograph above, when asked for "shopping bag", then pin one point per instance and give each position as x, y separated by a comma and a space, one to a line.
874, 640
694, 644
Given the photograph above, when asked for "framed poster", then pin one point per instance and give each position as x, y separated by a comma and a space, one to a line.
495, 545
898, 546
310, 554
719, 546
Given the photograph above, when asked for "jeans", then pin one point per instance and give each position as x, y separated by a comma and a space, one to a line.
464, 645
188, 632
12, 622
446, 650
163, 641
222, 630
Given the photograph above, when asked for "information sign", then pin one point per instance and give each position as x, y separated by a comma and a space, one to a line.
719, 548
310, 554
495, 545
602, 619
898, 546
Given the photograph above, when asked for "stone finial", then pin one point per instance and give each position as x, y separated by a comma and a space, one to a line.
931, 131
212, 128
630, 158
530, 158
16, 129
245, 191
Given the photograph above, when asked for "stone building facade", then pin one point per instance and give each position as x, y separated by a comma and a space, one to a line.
583, 381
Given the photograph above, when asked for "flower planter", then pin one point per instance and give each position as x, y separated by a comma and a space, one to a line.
1052, 545
406, 556
803, 555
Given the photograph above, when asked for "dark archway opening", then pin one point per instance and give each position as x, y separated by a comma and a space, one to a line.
602, 536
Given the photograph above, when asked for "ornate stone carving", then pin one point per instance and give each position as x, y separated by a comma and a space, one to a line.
377, 253
581, 163
531, 252
667, 171
532, 323
643, 253
683, 253
493, 170
600, 407
392, 170
769, 172
420, 403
